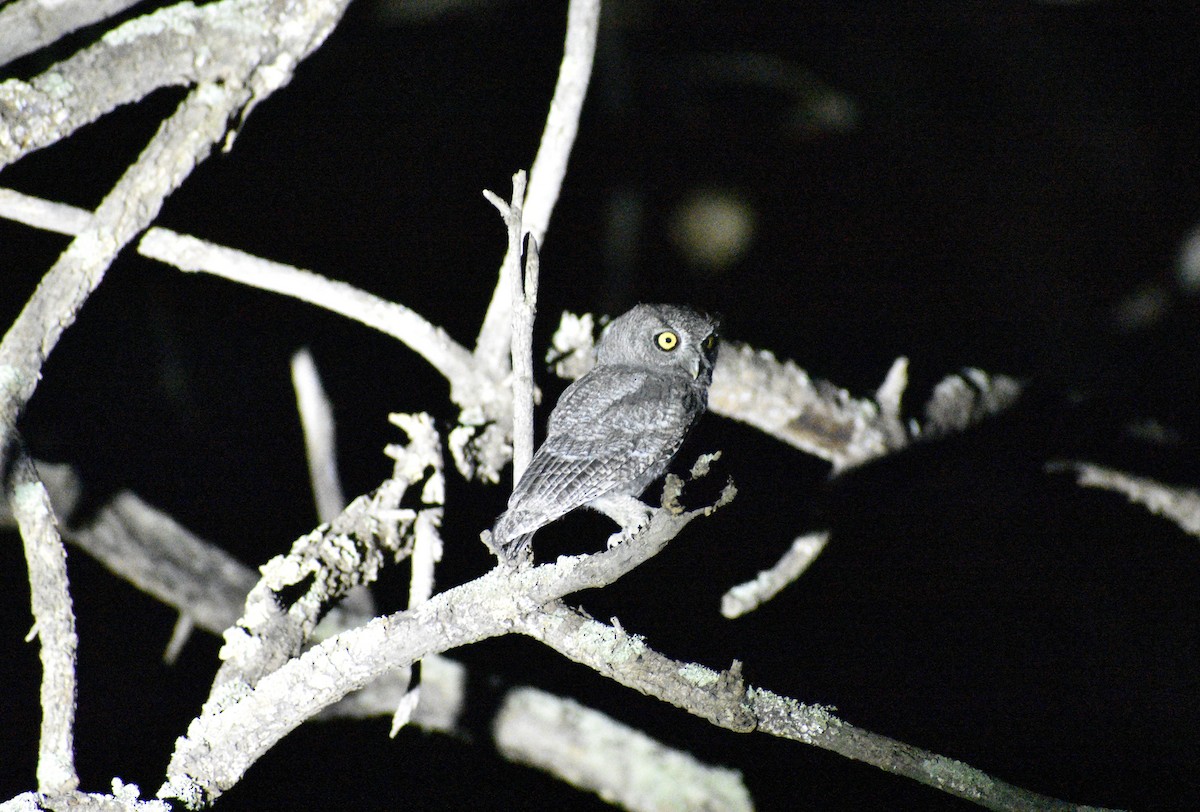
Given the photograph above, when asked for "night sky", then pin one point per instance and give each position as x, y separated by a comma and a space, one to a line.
1009, 186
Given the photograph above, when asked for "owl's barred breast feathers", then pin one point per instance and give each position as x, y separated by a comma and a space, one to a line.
615, 430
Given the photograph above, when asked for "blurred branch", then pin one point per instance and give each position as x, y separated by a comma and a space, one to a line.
624, 766
30, 25
148, 548
316, 420
1179, 505
747, 597
781, 400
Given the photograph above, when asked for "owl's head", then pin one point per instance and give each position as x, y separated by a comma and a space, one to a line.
662, 336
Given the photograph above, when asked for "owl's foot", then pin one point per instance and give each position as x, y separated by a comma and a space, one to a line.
631, 513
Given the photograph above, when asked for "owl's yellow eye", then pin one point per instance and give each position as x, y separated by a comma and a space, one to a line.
710, 342
666, 340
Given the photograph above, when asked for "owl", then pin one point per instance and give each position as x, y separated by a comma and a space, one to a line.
615, 430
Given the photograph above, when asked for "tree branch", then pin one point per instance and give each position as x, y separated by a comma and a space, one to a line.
812, 724
724, 700
30, 25
316, 420
747, 597
521, 343
782, 401
53, 623
1178, 505
431, 343
240, 723
251, 44
284, 607
624, 766
549, 168
183, 139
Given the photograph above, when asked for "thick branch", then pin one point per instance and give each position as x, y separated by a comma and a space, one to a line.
184, 139
239, 43
239, 723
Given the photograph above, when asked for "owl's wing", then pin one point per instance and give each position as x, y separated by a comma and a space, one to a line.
612, 430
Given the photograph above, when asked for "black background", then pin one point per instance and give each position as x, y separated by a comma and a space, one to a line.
1019, 176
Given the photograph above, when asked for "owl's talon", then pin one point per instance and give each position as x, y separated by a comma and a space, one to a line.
637, 521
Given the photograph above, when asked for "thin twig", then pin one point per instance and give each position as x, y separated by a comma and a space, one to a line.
524, 313
521, 343
549, 166
1179, 505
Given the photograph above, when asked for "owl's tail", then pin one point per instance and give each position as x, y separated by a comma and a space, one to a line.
509, 543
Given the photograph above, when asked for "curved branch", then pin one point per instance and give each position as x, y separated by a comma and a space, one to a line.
430, 342
240, 723
180, 143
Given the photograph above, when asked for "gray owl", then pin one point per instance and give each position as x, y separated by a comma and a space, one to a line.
615, 430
